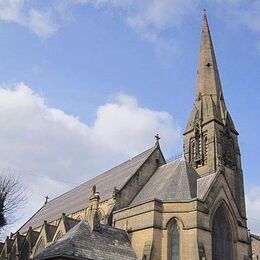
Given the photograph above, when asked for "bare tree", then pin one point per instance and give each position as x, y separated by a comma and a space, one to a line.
12, 197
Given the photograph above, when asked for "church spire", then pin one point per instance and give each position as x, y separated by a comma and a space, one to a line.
209, 103
208, 81
210, 138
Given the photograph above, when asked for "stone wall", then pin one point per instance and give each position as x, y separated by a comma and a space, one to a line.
255, 243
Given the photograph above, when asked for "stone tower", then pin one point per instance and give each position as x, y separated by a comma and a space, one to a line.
210, 137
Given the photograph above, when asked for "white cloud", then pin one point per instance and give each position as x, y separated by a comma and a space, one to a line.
10, 10
39, 22
38, 140
150, 18
253, 209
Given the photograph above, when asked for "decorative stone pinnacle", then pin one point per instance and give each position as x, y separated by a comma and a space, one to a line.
94, 189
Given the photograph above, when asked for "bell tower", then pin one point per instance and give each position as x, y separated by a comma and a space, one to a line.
210, 137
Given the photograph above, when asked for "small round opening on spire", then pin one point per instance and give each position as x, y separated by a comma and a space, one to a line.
208, 65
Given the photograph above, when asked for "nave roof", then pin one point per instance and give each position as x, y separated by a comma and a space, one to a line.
77, 198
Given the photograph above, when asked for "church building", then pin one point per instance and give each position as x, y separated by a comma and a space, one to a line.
192, 208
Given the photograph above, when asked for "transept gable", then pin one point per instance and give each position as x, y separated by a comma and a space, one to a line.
126, 194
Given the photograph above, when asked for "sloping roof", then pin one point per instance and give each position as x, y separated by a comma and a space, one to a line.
173, 181
78, 198
204, 183
82, 243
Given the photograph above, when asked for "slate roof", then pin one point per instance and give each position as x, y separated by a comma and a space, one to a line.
173, 181
81, 242
203, 184
78, 198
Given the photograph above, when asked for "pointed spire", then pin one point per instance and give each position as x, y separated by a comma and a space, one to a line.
208, 82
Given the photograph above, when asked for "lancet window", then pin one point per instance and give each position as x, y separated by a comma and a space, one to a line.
174, 240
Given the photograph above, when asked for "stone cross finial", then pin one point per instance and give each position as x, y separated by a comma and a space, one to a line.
157, 137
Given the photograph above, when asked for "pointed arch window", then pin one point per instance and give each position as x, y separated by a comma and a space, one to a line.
174, 240
222, 243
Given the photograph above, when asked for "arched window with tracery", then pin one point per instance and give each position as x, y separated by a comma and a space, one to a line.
222, 243
174, 240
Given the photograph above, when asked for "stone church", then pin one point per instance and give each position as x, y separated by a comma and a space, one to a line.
192, 208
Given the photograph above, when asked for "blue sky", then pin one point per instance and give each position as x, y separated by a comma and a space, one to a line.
77, 70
